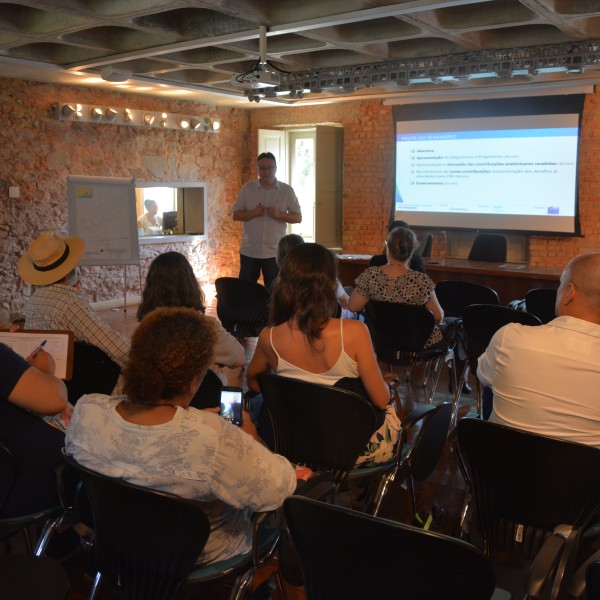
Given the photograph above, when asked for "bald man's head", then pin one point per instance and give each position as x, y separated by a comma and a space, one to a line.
579, 291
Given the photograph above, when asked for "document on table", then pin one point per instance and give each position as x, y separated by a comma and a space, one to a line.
59, 344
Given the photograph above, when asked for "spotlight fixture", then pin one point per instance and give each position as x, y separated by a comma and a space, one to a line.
110, 114
72, 111
104, 115
96, 113
113, 75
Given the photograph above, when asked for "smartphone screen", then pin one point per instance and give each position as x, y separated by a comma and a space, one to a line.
231, 404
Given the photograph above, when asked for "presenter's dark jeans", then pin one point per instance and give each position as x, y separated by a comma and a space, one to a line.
250, 269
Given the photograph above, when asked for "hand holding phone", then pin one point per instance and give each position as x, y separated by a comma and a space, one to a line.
231, 404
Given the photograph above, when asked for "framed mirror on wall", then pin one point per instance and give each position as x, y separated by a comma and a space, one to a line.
170, 208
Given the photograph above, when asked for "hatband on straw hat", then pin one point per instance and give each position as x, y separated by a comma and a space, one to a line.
50, 258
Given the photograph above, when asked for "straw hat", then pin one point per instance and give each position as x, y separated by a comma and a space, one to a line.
50, 258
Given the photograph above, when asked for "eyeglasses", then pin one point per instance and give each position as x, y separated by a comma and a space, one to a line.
267, 168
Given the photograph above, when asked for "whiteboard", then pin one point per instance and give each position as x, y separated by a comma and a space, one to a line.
102, 212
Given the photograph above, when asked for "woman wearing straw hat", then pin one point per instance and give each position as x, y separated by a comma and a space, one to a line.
50, 264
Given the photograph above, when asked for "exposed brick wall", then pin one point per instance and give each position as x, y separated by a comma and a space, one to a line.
368, 176
38, 153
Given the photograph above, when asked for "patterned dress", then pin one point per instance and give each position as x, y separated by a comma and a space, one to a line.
411, 288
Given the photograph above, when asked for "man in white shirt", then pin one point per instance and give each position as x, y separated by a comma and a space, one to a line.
545, 379
265, 206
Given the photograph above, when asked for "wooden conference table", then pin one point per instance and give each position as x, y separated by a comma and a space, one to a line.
511, 280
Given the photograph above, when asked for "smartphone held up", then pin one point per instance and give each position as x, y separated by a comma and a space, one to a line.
231, 404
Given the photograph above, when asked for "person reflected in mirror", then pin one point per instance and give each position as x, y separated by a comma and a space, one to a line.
150, 220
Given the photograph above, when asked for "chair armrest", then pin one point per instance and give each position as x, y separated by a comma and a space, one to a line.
319, 486
577, 587
416, 415
544, 564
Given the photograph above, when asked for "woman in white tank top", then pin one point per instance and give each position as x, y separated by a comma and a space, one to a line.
306, 343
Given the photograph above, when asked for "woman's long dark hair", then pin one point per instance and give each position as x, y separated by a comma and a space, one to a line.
305, 289
170, 282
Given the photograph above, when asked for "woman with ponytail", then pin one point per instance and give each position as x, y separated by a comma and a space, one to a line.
306, 342
396, 282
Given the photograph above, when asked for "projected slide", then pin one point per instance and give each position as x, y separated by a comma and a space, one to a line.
468, 169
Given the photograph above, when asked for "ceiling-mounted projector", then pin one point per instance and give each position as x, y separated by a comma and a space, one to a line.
258, 78
109, 73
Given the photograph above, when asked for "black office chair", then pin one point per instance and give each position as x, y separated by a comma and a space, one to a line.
327, 428
242, 306
47, 517
541, 303
147, 542
32, 578
399, 333
322, 427
455, 296
350, 555
480, 323
417, 460
93, 372
490, 247
208, 394
532, 496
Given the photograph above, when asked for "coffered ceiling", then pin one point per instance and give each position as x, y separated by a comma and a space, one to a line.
315, 50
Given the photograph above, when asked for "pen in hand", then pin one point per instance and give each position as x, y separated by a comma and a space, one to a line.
37, 350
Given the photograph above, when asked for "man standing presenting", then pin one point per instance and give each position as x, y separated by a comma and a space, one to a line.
545, 379
265, 206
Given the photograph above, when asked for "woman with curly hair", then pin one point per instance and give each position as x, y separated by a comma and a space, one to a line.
151, 437
171, 282
306, 342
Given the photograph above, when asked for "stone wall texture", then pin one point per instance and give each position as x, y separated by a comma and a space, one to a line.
38, 153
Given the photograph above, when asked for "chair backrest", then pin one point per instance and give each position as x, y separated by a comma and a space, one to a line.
488, 247
481, 321
524, 485
427, 447
93, 372
351, 555
242, 306
455, 296
146, 541
208, 395
399, 331
541, 303
7, 474
322, 427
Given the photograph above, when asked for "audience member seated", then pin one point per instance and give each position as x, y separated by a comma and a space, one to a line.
285, 244
50, 264
416, 262
150, 437
397, 282
307, 343
171, 282
29, 391
545, 379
